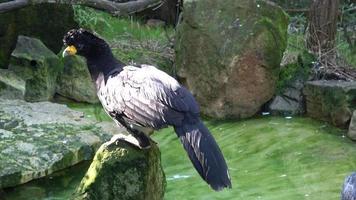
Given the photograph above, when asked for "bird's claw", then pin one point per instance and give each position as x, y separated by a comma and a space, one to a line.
116, 139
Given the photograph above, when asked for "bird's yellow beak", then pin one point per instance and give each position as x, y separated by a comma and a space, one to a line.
70, 50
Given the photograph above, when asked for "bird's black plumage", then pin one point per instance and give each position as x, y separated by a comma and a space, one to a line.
143, 96
348, 191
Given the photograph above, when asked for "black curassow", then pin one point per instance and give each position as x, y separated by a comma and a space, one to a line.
143, 98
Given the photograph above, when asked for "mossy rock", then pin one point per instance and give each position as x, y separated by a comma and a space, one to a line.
122, 171
48, 22
331, 101
228, 54
75, 82
38, 139
38, 66
11, 86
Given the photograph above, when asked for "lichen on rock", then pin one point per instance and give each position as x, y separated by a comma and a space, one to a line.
38, 139
122, 171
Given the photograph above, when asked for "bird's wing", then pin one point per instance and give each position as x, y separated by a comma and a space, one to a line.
148, 96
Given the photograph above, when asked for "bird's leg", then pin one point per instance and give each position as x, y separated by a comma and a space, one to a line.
143, 140
116, 139
136, 138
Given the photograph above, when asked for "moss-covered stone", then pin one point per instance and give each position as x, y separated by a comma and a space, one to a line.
48, 22
331, 101
11, 86
228, 53
74, 81
37, 139
38, 66
121, 171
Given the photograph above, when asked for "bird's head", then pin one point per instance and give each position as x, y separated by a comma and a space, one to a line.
83, 43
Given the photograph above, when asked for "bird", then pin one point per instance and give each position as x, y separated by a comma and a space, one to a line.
142, 98
348, 191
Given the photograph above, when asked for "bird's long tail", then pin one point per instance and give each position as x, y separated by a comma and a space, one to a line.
205, 154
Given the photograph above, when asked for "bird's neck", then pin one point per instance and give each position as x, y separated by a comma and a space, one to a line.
103, 64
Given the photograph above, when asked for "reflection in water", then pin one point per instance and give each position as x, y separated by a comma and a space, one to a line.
268, 158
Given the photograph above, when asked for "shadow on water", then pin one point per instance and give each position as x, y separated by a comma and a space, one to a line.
270, 158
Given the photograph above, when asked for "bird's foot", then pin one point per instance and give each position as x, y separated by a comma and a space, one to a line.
116, 139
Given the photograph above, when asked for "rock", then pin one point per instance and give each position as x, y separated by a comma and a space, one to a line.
155, 23
331, 101
48, 22
37, 139
291, 101
352, 127
75, 81
38, 66
11, 86
285, 106
123, 172
228, 54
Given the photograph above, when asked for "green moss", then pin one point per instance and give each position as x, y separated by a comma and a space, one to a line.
123, 172
299, 68
345, 51
294, 71
276, 23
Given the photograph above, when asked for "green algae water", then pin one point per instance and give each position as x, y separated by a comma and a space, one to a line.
270, 158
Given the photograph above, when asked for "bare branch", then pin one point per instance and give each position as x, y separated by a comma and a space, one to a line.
114, 8
12, 5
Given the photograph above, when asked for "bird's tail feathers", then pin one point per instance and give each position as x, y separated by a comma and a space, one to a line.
205, 154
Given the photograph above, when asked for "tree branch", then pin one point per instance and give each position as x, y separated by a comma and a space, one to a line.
12, 5
114, 8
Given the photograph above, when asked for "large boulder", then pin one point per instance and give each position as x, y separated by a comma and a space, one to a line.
37, 139
48, 22
38, 66
228, 54
122, 171
331, 101
75, 82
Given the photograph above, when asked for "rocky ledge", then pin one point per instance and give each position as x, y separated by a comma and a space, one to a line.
37, 139
331, 101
